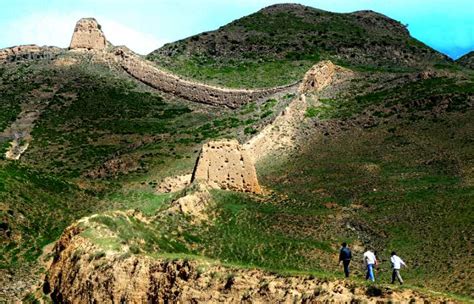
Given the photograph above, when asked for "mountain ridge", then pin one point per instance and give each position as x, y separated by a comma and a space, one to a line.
378, 156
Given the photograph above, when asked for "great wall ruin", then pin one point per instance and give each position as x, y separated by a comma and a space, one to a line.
88, 35
149, 74
28, 52
223, 164
226, 165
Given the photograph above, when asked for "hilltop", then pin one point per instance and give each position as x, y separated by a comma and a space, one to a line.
467, 60
279, 43
122, 178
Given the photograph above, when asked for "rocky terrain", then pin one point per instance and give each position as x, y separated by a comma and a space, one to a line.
127, 180
467, 60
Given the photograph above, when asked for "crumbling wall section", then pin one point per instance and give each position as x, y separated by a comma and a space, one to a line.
226, 165
149, 74
28, 52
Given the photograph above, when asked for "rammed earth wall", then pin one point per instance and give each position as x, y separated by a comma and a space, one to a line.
161, 80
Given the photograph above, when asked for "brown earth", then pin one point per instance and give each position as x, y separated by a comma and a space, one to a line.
225, 165
28, 52
88, 35
173, 184
321, 75
81, 273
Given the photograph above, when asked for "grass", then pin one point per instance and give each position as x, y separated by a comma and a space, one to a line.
414, 97
242, 233
147, 202
26, 196
405, 184
411, 181
94, 115
115, 119
242, 74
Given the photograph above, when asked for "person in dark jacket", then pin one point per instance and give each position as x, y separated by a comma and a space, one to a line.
345, 256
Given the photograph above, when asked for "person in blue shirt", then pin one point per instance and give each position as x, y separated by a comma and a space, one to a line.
345, 256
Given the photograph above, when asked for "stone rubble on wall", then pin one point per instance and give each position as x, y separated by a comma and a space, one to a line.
224, 164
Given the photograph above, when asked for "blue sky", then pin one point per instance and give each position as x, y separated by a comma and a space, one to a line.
144, 25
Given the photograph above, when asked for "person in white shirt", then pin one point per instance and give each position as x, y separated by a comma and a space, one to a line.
370, 261
397, 263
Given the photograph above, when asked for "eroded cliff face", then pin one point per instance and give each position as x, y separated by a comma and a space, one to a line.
83, 273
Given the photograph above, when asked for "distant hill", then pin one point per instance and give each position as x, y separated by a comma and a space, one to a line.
377, 153
467, 60
280, 42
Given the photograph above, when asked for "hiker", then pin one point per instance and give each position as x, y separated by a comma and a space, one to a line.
370, 261
397, 263
345, 256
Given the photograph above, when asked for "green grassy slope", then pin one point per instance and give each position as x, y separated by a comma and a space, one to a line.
98, 133
389, 163
404, 183
412, 185
276, 45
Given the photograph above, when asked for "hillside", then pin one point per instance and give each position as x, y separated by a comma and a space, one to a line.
87, 137
276, 45
118, 181
467, 60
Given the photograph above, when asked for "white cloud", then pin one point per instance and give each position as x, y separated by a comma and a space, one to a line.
119, 34
56, 29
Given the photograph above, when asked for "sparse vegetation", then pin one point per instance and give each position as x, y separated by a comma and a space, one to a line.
387, 161
277, 45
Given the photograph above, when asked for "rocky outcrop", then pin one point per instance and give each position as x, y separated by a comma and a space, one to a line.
28, 52
88, 35
149, 74
321, 75
83, 273
226, 165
